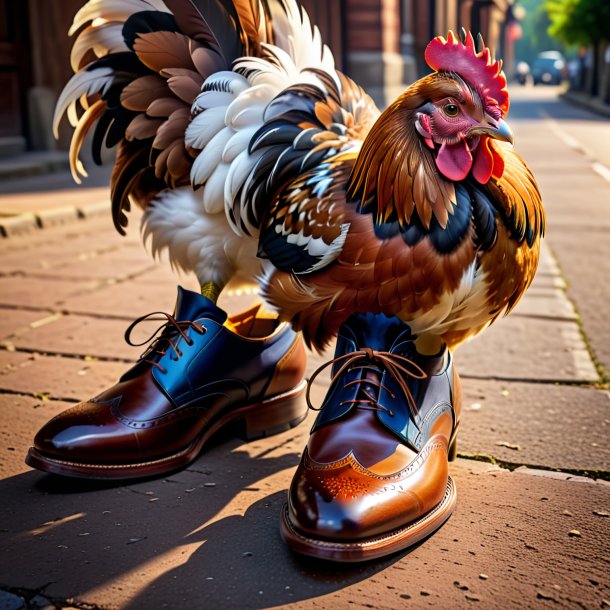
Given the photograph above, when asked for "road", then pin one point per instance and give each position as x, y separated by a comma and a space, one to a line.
575, 183
531, 527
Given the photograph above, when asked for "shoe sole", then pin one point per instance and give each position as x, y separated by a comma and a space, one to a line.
370, 548
269, 417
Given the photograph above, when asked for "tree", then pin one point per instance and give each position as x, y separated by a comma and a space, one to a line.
535, 37
582, 22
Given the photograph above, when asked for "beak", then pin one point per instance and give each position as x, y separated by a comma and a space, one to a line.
494, 129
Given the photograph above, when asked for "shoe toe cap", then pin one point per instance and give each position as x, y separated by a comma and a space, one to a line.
87, 431
346, 503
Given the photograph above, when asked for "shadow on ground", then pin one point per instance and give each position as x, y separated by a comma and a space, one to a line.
208, 533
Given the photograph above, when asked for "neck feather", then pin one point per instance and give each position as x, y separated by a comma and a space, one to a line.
395, 175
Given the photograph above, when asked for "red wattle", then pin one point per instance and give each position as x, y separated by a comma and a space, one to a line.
454, 160
483, 165
498, 163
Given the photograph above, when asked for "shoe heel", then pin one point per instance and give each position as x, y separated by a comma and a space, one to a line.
276, 415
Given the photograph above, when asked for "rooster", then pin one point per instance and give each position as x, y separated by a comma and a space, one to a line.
242, 143
403, 232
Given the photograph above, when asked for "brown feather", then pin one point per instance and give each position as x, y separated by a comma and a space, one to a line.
161, 50
249, 15
142, 128
91, 115
164, 106
206, 61
141, 92
186, 86
381, 184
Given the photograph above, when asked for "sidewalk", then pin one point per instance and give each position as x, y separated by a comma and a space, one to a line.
533, 516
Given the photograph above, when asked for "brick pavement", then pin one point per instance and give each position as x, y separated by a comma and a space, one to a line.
533, 469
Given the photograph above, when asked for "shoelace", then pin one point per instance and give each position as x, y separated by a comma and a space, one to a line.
179, 325
393, 363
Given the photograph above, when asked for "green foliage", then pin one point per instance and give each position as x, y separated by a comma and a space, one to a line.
535, 37
581, 22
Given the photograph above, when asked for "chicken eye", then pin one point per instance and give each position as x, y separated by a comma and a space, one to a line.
451, 109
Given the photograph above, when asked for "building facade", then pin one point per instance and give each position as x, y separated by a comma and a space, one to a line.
379, 43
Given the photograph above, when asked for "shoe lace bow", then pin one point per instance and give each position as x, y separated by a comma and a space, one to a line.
396, 365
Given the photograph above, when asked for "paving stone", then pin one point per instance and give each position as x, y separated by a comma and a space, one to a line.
528, 423
56, 377
163, 274
39, 293
141, 298
545, 303
588, 285
20, 419
524, 348
511, 527
48, 256
83, 336
25, 200
116, 265
17, 321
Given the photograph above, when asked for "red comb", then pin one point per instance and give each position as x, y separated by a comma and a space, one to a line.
478, 69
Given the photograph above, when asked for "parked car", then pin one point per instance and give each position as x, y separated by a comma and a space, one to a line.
549, 68
522, 73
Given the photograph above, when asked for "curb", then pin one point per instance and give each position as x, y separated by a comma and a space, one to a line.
25, 224
586, 101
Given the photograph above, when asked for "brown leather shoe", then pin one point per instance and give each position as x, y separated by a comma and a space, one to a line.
200, 375
374, 475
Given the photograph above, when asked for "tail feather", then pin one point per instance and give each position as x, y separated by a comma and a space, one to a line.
185, 87
100, 40
209, 23
112, 10
255, 25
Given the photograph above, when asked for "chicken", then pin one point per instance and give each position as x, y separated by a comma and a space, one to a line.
243, 143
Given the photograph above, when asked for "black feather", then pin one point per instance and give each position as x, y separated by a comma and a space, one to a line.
278, 132
285, 256
124, 62
458, 224
484, 216
138, 163
210, 23
101, 129
145, 22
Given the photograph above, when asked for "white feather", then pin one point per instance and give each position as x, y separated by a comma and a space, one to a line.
240, 168
204, 127
238, 142
87, 82
260, 94
103, 39
247, 117
211, 99
210, 157
197, 242
236, 83
213, 194
113, 10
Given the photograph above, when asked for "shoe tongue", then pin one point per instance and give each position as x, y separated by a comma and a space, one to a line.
192, 306
376, 331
